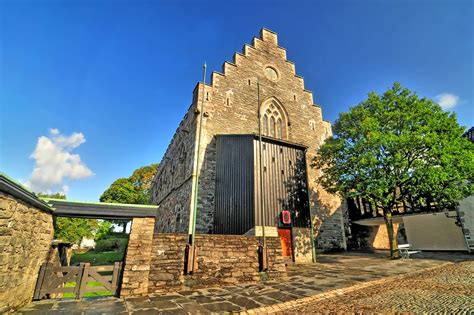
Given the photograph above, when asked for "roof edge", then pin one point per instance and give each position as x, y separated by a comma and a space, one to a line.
11, 187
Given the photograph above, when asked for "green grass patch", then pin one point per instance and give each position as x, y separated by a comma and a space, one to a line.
91, 284
103, 257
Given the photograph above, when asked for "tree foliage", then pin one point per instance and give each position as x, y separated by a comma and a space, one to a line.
72, 229
133, 190
396, 146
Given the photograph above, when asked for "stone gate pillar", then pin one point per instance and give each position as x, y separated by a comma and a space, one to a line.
138, 258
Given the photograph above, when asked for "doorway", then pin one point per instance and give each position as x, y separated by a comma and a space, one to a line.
286, 243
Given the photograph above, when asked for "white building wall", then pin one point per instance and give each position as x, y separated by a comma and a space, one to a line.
434, 231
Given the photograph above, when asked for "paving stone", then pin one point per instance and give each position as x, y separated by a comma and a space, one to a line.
140, 305
145, 312
162, 305
244, 302
164, 297
206, 299
195, 309
280, 296
138, 299
332, 271
221, 307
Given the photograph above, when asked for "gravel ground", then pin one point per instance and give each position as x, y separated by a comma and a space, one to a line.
449, 289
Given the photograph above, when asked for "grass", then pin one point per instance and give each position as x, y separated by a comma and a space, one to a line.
104, 258
87, 294
95, 257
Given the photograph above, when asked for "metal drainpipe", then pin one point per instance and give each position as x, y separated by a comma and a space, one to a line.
313, 249
262, 203
191, 251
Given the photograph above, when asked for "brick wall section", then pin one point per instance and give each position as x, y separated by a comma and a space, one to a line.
25, 237
222, 260
138, 258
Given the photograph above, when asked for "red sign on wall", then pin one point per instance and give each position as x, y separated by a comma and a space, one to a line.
286, 216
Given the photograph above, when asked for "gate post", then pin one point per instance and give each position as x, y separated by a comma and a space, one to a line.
138, 258
81, 284
39, 282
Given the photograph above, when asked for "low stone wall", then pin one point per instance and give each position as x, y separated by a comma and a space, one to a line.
158, 265
26, 234
222, 260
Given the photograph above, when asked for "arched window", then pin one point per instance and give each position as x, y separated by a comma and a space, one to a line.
274, 119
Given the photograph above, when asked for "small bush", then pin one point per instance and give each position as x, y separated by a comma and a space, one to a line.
107, 245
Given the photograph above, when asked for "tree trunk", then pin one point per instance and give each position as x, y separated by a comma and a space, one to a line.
392, 242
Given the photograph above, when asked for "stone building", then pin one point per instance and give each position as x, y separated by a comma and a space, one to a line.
229, 194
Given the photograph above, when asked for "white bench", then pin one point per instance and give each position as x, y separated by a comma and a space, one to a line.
405, 251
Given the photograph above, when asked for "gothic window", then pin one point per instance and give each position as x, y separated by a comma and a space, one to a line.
274, 120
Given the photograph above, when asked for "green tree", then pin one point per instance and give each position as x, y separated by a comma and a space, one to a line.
133, 190
72, 229
396, 146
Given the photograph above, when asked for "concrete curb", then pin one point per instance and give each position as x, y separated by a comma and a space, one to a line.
288, 306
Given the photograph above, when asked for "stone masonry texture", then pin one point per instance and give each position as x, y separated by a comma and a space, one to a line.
26, 234
231, 105
222, 260
138, 258
154, 263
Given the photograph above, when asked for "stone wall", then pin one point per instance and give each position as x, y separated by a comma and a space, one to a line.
222, 260
172, 185
138, 258
372, 237
231, 104
26, 234
156, 264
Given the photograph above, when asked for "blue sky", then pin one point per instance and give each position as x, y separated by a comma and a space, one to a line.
102, 85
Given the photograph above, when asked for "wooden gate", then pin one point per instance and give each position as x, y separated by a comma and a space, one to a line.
54, 281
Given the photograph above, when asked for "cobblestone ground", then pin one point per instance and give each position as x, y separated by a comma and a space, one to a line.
445, 289
332, 272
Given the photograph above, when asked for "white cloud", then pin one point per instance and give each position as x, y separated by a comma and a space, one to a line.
54, 162
447, 100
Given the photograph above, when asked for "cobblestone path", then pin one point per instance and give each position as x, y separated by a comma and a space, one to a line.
447, 289
336, 271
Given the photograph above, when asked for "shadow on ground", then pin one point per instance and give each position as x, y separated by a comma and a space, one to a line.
332, 271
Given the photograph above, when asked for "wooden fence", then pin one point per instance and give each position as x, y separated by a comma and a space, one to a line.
52, 280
